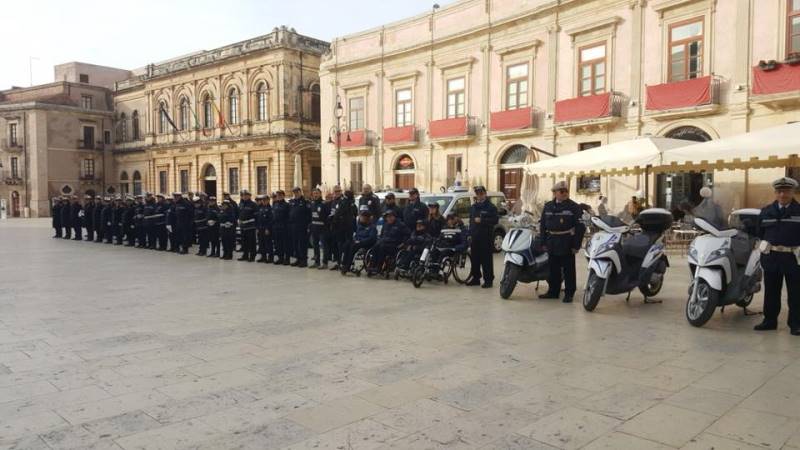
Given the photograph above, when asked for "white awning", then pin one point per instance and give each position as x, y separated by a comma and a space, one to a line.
770, 147
623, 157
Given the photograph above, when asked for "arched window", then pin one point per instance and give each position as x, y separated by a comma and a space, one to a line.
233, 106
404, 163
184, 113
208, 112
123, 128
517, 154
123, 183
261, 101
137, 183
135, 124
163, 124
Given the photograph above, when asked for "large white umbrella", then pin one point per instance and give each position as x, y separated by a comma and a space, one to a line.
624, 157
770, 147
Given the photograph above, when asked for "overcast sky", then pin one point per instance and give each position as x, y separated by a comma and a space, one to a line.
132, 33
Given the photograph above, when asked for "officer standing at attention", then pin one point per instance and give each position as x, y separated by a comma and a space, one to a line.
213, 226
264, 229
415, 210
119, 212
319, 225
108, 221
162, 213
148, 222
129, 222
280, 230
299, 219
247, 223
55, 213
227, 228
371, 200
66, 218
780, 255
184, 217
332, 243
97, 217
76, 213
562, 232
88, 217
201, 225
482, 219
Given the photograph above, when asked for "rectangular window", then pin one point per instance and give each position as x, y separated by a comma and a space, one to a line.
162, 181
356, 112
793, 28
83, 78
686, 50
233, 180
517, 86
86, 101
456, 94
14, 167
588, 183
403, 108
184, 180
356, 176
592, 70
107, 136
261, 180
88, 168
88, 138
453, 168
12, 134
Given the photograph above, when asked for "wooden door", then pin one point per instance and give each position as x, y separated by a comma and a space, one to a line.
15, 204
404, 180
511, 182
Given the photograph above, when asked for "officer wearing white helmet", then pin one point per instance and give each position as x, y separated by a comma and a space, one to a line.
780, 255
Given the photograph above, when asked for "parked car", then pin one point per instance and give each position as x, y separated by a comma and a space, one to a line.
460, 198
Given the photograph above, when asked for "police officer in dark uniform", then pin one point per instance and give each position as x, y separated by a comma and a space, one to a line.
227, 228
201, 225
390, 202
55, 213
138, 222
76, 218
264, 229
393, 234
119, 213
562, 232
213, 213
160, 222
88, 217
299, 219
414, 210
247, 223
371, 200
780, 255
149, 217
107, 215
482, 219
97, 218
280, 228
318, 229
184, 217
129, 222
435, 220
66, 218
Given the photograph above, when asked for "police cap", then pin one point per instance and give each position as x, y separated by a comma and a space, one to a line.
479, 188
244, 192
296, 189
280, 192
388, 212
177, 194
421, 222
261, 197
413, 191
784, 183
390, 195
364, 209
160, 195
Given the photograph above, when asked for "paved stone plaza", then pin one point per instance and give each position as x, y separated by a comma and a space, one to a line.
105, 347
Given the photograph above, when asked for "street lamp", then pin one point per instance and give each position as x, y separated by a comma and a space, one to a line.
336, 132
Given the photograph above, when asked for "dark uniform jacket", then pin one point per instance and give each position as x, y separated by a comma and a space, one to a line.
455, 240
489, 218
66, 215
107, 217
435, 225
129, 218
264, 217
561, 227
88, 215
247, 214
366, 235
163, 209
227, 220
319, 216
344, 219
75, 214
299, 213
97, 217
394, 234
201, 218
119, 212
213, 214
280, 215
150, 213
184, 214
56, 215
398, 211
373, 203
780, 227
414, 211
417, 241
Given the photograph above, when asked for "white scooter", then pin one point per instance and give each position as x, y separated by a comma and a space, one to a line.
621, 260
725, 265
525, 259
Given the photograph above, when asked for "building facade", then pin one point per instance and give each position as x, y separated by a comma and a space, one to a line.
55, 139
477, 89
243, 116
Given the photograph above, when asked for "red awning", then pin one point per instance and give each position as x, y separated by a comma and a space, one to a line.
399, 135
583, 108
515, 119
449, 128
679, 94
784, 78
358, 138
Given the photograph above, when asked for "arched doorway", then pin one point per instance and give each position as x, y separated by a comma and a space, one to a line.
511, 170
123, 183
210, 180
681, 188
404, 172
15, 204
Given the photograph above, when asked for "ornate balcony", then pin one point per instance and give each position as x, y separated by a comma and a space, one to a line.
776, 85
400, 137
513, 122
457, 129
359, 140
13, 180
589, 112
696, 97
9, 146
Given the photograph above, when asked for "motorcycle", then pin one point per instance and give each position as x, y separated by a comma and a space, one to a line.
621, 260
725, 266
525, 260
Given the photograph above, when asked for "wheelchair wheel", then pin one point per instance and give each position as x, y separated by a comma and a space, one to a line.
418, 276
446, 269
359, 261
462, 267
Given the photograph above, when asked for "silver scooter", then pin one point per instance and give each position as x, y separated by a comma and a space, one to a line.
525, 260
725, 266
621, 260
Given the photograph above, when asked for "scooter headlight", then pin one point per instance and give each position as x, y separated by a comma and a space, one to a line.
693, 254
717, 254
605, 247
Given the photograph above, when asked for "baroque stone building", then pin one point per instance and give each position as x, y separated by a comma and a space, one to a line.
479, 88
245, 115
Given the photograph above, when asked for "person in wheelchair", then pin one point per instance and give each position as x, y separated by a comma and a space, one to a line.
453, 239
414, 245
393, 234
365, 236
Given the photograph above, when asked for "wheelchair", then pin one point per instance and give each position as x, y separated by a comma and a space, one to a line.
385, 270
359, 263
436, 263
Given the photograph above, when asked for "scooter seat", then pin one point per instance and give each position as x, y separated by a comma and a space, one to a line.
637, 245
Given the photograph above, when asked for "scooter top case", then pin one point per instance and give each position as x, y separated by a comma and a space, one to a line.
655, 220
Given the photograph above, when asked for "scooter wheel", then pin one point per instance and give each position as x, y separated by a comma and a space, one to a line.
593, 291
509, 280
700, 310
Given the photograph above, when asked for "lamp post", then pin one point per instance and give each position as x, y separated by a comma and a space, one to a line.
336, 133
